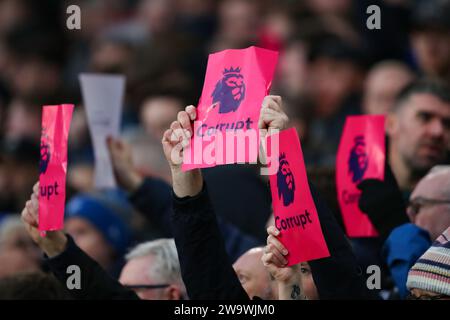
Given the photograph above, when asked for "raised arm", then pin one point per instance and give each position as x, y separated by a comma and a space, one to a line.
206, 269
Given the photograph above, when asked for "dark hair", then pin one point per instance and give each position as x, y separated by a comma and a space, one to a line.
32, 286
336, 48
431, 86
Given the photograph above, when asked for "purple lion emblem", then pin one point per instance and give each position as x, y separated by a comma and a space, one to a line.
285, 181
358, 160
44, 157
230, 90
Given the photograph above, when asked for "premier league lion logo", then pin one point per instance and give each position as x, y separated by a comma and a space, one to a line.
358, 161
45, 156
230, 90
285, 181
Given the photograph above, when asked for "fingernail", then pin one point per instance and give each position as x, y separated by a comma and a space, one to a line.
285, 252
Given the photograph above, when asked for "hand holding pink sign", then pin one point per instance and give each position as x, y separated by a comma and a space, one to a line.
361, 155
53, 166
236, 83
294, 209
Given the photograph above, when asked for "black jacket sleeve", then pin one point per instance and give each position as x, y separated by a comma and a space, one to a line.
96, 283
205, 266
338, 276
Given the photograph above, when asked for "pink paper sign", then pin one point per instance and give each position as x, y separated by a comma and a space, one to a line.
361, 155
293, 206
236, 83
53, 166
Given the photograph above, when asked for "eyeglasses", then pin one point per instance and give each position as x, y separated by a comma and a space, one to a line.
427, 297
146, 286
416, 204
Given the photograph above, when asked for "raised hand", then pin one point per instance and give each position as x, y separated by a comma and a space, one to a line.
178, 136
54, 242
174, 141
272, 115
288, 278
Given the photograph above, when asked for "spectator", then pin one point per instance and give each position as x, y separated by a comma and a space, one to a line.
337, 70
153, 271
157, 114
239, 22
18, 172
428, 278
429, 205
32, 286
18, 254
429, 212
419, 131
200, 246
295, 282
96, 224
254, 278
430, 37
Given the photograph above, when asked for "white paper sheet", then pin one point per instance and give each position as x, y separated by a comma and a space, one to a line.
103, 98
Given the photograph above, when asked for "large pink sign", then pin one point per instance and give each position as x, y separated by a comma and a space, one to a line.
236, 83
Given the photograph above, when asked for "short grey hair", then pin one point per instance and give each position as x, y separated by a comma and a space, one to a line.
441, 172
166, 266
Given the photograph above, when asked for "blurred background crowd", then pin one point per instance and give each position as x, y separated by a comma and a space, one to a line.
330, 66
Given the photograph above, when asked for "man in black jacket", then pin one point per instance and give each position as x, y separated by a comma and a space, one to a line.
206, 270
62, 254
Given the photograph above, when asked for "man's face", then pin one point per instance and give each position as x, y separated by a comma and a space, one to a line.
238, 21
308, 286
136, 272
287, 173
18, 253
420, 131
158, 113
432, 49
332, 81
253, 275
434, 218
